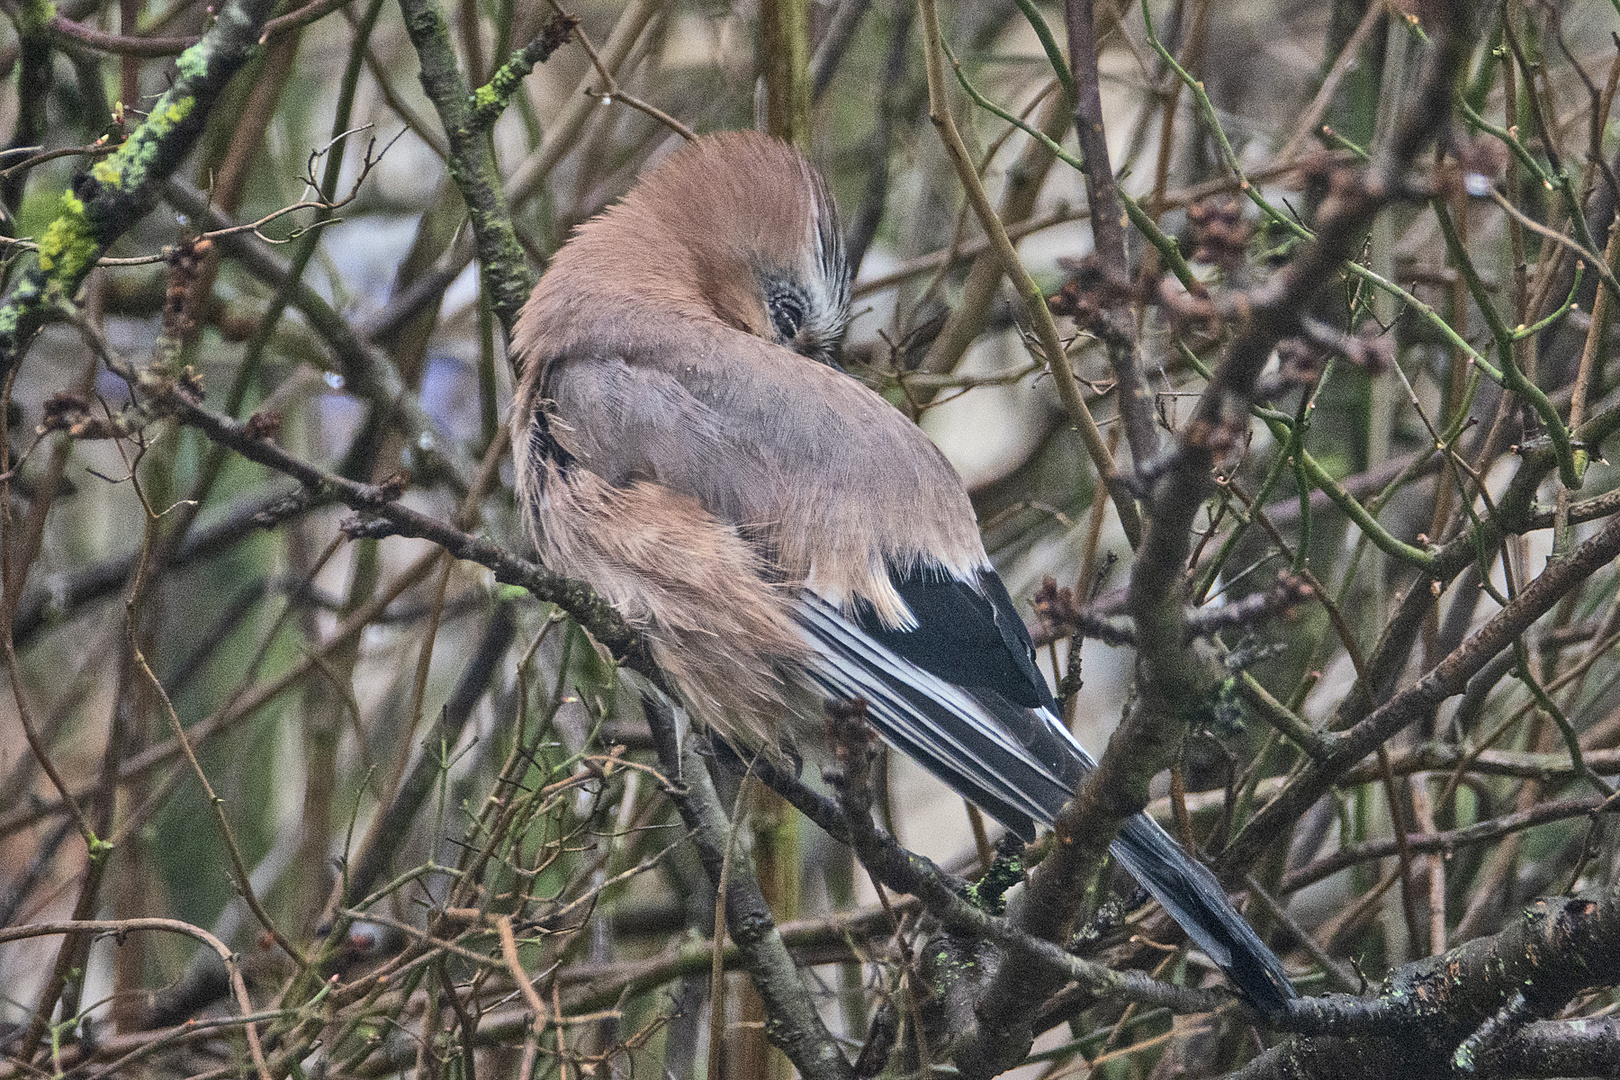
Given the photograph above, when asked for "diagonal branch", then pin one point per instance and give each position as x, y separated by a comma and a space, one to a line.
507, 278
1171, 680
107, 200
793, 1023
1461, 1010
389, 517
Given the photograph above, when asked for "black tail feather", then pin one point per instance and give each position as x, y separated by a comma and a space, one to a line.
1195, 899
1021, 765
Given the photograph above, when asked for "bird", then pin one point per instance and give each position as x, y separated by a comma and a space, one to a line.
784, 538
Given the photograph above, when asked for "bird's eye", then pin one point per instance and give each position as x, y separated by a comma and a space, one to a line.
787, 309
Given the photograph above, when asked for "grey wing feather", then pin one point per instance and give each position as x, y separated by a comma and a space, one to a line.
947, 730
968, 741
828, 476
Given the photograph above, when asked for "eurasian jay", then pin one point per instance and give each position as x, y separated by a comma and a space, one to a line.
785, 538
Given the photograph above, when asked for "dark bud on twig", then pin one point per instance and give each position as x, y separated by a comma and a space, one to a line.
189, 382
279, 511
1290, 591
1061, 615
355, 527
1220, 235
391, 488
855, 747
1054, 605
1088, 295
853, 744
1218, 439
71, 414
185, 261
263, 425
64, 411
558, 32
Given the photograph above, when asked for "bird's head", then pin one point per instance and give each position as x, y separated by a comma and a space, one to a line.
735, 227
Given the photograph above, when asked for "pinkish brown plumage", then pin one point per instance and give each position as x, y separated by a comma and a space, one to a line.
690, 415
782, 536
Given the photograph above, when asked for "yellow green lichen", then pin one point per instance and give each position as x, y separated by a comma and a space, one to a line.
179, 109
68, 246
193, 63
67, 249
127, 169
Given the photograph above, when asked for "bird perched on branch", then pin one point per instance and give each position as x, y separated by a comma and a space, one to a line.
784, 537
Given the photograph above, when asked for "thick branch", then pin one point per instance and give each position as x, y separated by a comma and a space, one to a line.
1426, 1010
1171, 680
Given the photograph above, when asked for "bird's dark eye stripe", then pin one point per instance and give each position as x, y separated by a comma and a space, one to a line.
787, 309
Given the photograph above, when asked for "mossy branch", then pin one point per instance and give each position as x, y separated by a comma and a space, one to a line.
505, 272
491, 99
105, 201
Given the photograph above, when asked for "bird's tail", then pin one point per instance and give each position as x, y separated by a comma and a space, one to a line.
1195, 899
1021, 765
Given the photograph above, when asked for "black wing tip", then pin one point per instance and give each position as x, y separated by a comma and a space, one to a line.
1263, 983
1024, 779
1190, 893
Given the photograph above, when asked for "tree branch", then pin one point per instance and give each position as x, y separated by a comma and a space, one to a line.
116, 192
